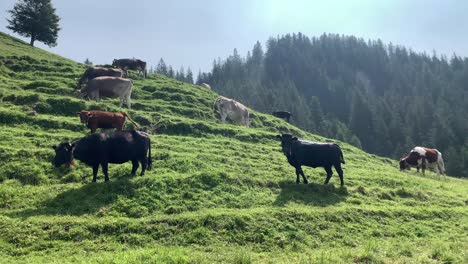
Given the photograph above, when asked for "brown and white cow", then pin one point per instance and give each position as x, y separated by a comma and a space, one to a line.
419, 157
109, 87
236, 111
100, 119
93, 72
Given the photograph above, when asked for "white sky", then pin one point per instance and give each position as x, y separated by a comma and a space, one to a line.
193, 33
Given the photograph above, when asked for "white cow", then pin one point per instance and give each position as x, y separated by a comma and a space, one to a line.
206, 86
109, 87
236, 111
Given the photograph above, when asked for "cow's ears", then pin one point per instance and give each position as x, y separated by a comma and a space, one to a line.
78, 113
278, 137
54, 147
294, 138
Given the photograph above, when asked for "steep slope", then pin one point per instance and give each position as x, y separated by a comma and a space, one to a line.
218, 193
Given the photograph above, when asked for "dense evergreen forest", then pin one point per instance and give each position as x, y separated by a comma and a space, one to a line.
383, 98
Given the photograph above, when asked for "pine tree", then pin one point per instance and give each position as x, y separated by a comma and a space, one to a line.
88, 62
35, 19
161, 68
170, 72
189, 76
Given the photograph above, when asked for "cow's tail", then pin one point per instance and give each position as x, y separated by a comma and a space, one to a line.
342, 158
150, 162
131, 120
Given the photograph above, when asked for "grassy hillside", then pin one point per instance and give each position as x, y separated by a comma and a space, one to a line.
217, 193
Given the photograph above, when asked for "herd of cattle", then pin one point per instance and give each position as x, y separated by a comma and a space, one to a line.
120, 146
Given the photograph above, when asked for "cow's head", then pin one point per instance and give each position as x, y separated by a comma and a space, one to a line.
63, 154
84, 116
404, 165
114, 62
81, 82
81, 93
287, 141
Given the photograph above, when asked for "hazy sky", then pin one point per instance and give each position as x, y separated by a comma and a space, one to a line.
193, 33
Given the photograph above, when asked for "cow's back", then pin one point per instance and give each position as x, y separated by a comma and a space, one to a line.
117, 147
316, 154
109, 86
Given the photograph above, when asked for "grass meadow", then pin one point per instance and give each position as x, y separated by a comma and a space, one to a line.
217, 192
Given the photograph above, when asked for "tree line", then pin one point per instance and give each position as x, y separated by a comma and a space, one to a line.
383, 98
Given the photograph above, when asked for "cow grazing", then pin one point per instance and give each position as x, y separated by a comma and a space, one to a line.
206, 86
419, 157
236, 111
100, 119
282, 114
131, 64
312, 154
110, 87
93, 72
101, 149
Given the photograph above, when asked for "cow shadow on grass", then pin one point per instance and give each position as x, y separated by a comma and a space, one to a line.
87, 199
310, 194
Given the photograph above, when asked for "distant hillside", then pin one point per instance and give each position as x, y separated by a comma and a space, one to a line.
217, 193
383, 98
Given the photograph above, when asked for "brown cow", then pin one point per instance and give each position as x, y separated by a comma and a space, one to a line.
101, 119
420, 156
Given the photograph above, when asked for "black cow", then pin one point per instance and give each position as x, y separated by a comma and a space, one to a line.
282, 114
131, 64
101, 149
93, 72
312, 154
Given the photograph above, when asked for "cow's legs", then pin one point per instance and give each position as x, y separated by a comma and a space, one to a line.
417, 169
105, 166
144, 165
134, 167
297, 175
303, 176
223, 117
121, 101
95, 171
339, 170
423, 166
329, 171
299, 172
440, 164
128, 101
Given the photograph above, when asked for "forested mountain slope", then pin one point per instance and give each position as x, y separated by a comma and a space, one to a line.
383, 98
217, 193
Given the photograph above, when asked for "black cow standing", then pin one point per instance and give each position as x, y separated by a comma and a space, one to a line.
131, 64
101, 149
312, 154
282, 114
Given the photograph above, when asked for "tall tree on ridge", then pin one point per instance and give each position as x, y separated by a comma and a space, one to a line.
35, 19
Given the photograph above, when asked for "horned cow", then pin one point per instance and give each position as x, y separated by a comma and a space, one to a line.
101, 149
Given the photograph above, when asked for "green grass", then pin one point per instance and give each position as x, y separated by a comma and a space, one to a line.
218, 193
